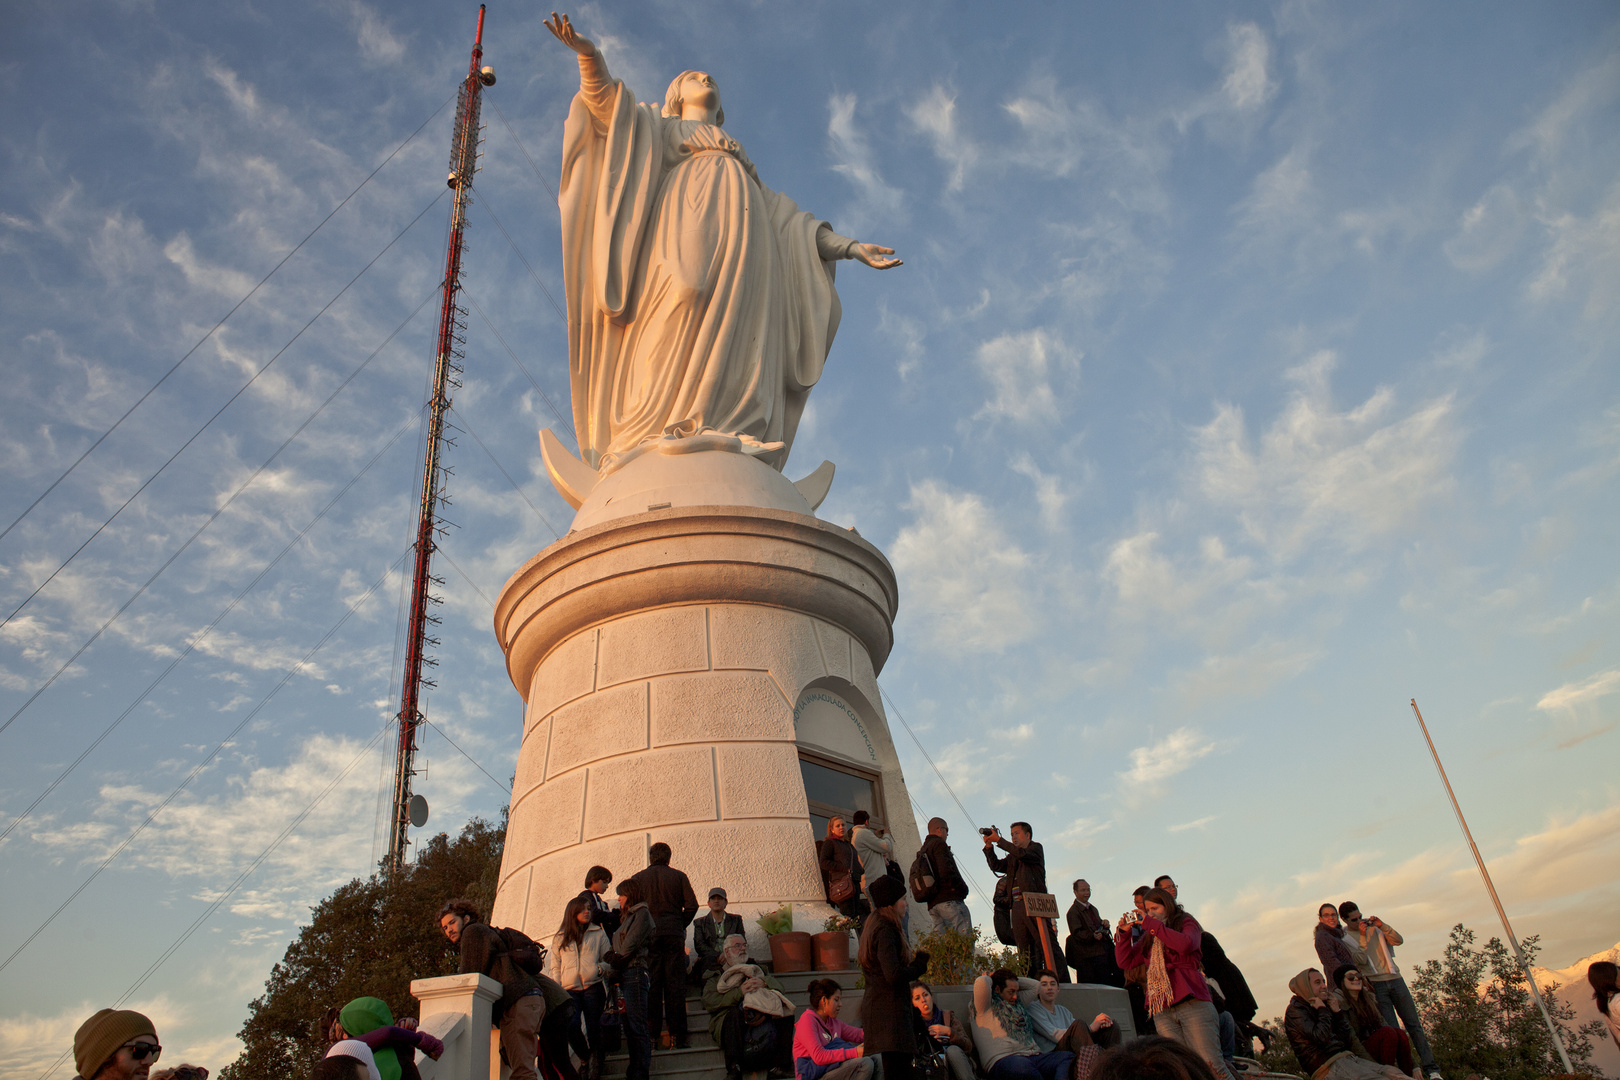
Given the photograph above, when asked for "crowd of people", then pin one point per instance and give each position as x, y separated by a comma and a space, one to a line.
617, 976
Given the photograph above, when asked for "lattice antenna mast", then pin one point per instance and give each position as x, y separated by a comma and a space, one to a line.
446, 377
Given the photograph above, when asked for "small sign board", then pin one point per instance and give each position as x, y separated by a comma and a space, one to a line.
1040, 905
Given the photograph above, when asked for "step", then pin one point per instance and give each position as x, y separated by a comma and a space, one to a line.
665, 1062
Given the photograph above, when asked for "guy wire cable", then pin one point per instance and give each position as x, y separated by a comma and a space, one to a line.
504, 788
196, 640
205, 762
565, 421
469, 429
220, 510
227, 315
237, 884
522, 149
490, 210
209, 423
951, 791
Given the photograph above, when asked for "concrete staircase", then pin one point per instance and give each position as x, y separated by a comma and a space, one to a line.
704, 1060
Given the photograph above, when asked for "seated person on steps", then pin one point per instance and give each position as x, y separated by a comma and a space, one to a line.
750, 1018
709, 933
824, 1047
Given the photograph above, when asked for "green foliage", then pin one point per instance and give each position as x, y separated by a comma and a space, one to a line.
365, 939
1278, 1056
955, 958
1480, 1017
779, 921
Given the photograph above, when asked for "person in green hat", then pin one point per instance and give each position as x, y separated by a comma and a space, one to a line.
393, 1047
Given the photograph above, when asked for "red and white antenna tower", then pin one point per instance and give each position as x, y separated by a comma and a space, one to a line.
446, 376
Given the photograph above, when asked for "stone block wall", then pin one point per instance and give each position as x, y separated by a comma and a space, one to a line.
677, 724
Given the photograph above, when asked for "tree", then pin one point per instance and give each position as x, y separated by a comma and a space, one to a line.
1480, 1017
1277, 1055
367, 939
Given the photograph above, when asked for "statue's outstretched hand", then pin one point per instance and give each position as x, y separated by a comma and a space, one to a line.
875, 256
565, 33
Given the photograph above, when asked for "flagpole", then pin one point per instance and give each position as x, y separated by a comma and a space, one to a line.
1513, 940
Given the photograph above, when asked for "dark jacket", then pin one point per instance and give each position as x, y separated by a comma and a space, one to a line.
1234, 987
947, 875
1083, 944
483, 951
708, 939
1332, 951
886, 1008
837, 857
929, 1045
601, 914
671, 899
1026, 866
1316, 1035
634, 936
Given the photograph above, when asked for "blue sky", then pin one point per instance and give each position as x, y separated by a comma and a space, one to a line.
1252, 371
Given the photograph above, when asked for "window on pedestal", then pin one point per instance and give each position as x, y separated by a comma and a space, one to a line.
836, 787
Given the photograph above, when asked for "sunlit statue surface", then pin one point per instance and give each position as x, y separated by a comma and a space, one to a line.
701, 303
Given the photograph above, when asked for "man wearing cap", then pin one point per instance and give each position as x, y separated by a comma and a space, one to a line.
116, 1044
709, 934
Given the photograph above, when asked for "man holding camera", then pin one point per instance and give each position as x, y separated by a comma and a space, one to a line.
1025, 864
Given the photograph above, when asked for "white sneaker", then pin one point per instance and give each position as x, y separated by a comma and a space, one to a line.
1434, 1074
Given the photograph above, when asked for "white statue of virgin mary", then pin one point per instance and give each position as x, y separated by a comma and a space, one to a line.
700, 302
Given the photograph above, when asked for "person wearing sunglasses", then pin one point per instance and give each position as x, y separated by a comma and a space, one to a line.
117, 1044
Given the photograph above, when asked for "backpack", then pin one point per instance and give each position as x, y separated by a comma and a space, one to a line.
525, 952
923, 882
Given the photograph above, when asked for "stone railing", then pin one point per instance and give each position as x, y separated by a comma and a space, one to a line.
455, 1010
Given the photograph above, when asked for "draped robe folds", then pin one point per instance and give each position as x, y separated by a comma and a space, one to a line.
698, 299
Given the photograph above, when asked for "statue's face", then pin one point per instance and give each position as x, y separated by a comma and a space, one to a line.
699, 93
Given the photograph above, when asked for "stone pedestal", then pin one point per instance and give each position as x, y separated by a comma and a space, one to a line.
675, 666
456, 1010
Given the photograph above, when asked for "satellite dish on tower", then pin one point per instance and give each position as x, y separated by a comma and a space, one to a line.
419, 811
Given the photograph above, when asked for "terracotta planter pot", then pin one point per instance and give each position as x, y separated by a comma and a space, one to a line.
790, 952
831, 950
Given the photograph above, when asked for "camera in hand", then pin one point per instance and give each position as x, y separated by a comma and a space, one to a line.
1133, 916
991, 831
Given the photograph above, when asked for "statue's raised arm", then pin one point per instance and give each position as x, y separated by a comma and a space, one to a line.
565, 33
700, 302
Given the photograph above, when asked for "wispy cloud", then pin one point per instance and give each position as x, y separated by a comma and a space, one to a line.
970, 578
935, 115
853, 158
1157, 762
1579, 693
1322, 475
1020, 369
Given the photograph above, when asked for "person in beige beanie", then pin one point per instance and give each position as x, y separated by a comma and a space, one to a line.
115, 1044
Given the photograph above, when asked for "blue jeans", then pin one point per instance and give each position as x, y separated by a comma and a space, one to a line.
1192, 1023
1054, 1066
951, 914
1228, 1035
586, 1034
637, 1035
1393, 997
